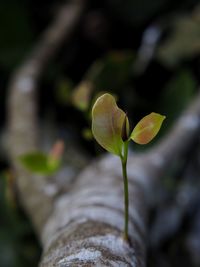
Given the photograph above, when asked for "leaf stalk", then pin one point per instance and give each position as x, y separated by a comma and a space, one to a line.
126, 193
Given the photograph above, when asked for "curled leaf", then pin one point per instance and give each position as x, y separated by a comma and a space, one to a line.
107, 123
147, 128
125, 129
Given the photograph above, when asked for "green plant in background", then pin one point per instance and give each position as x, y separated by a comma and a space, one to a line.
44, 164
116, 64
110, 128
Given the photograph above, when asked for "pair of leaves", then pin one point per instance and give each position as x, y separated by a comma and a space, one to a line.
110, 124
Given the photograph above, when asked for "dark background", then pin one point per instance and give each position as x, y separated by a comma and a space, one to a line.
144, 52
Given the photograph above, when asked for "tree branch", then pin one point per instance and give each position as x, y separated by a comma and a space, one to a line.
22, 111
89, 232
86, 223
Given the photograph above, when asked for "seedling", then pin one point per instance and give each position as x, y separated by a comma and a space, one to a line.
110, 128
44, 164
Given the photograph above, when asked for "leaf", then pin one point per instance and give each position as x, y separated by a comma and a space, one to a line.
40, 163
87, 134
81, 95
107, 123
57, 150
125, 129
147, 128
183, 42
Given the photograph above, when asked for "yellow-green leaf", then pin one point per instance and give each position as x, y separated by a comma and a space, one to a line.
107, 122
81, 95
147, 128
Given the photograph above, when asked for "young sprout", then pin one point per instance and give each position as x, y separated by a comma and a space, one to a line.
44, 164
110, 128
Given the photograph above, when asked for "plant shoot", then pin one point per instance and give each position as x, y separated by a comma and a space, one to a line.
110, 128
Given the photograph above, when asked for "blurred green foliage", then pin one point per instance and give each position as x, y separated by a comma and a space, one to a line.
184, 40
40, 163
99, 78
177, 94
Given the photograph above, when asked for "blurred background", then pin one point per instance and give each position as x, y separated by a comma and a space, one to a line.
146, 53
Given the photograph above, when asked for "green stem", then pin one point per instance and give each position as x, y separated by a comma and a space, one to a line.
126, 196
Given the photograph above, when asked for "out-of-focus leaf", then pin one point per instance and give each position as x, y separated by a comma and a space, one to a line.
56, 154
147, 128
40, 163
81, 95
177, 94
107, 122
87, 133
183, 42
112, 71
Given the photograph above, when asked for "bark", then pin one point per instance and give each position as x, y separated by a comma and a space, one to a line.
82, 225
23, 126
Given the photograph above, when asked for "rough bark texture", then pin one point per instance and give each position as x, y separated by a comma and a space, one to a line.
83, 226
90, 231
